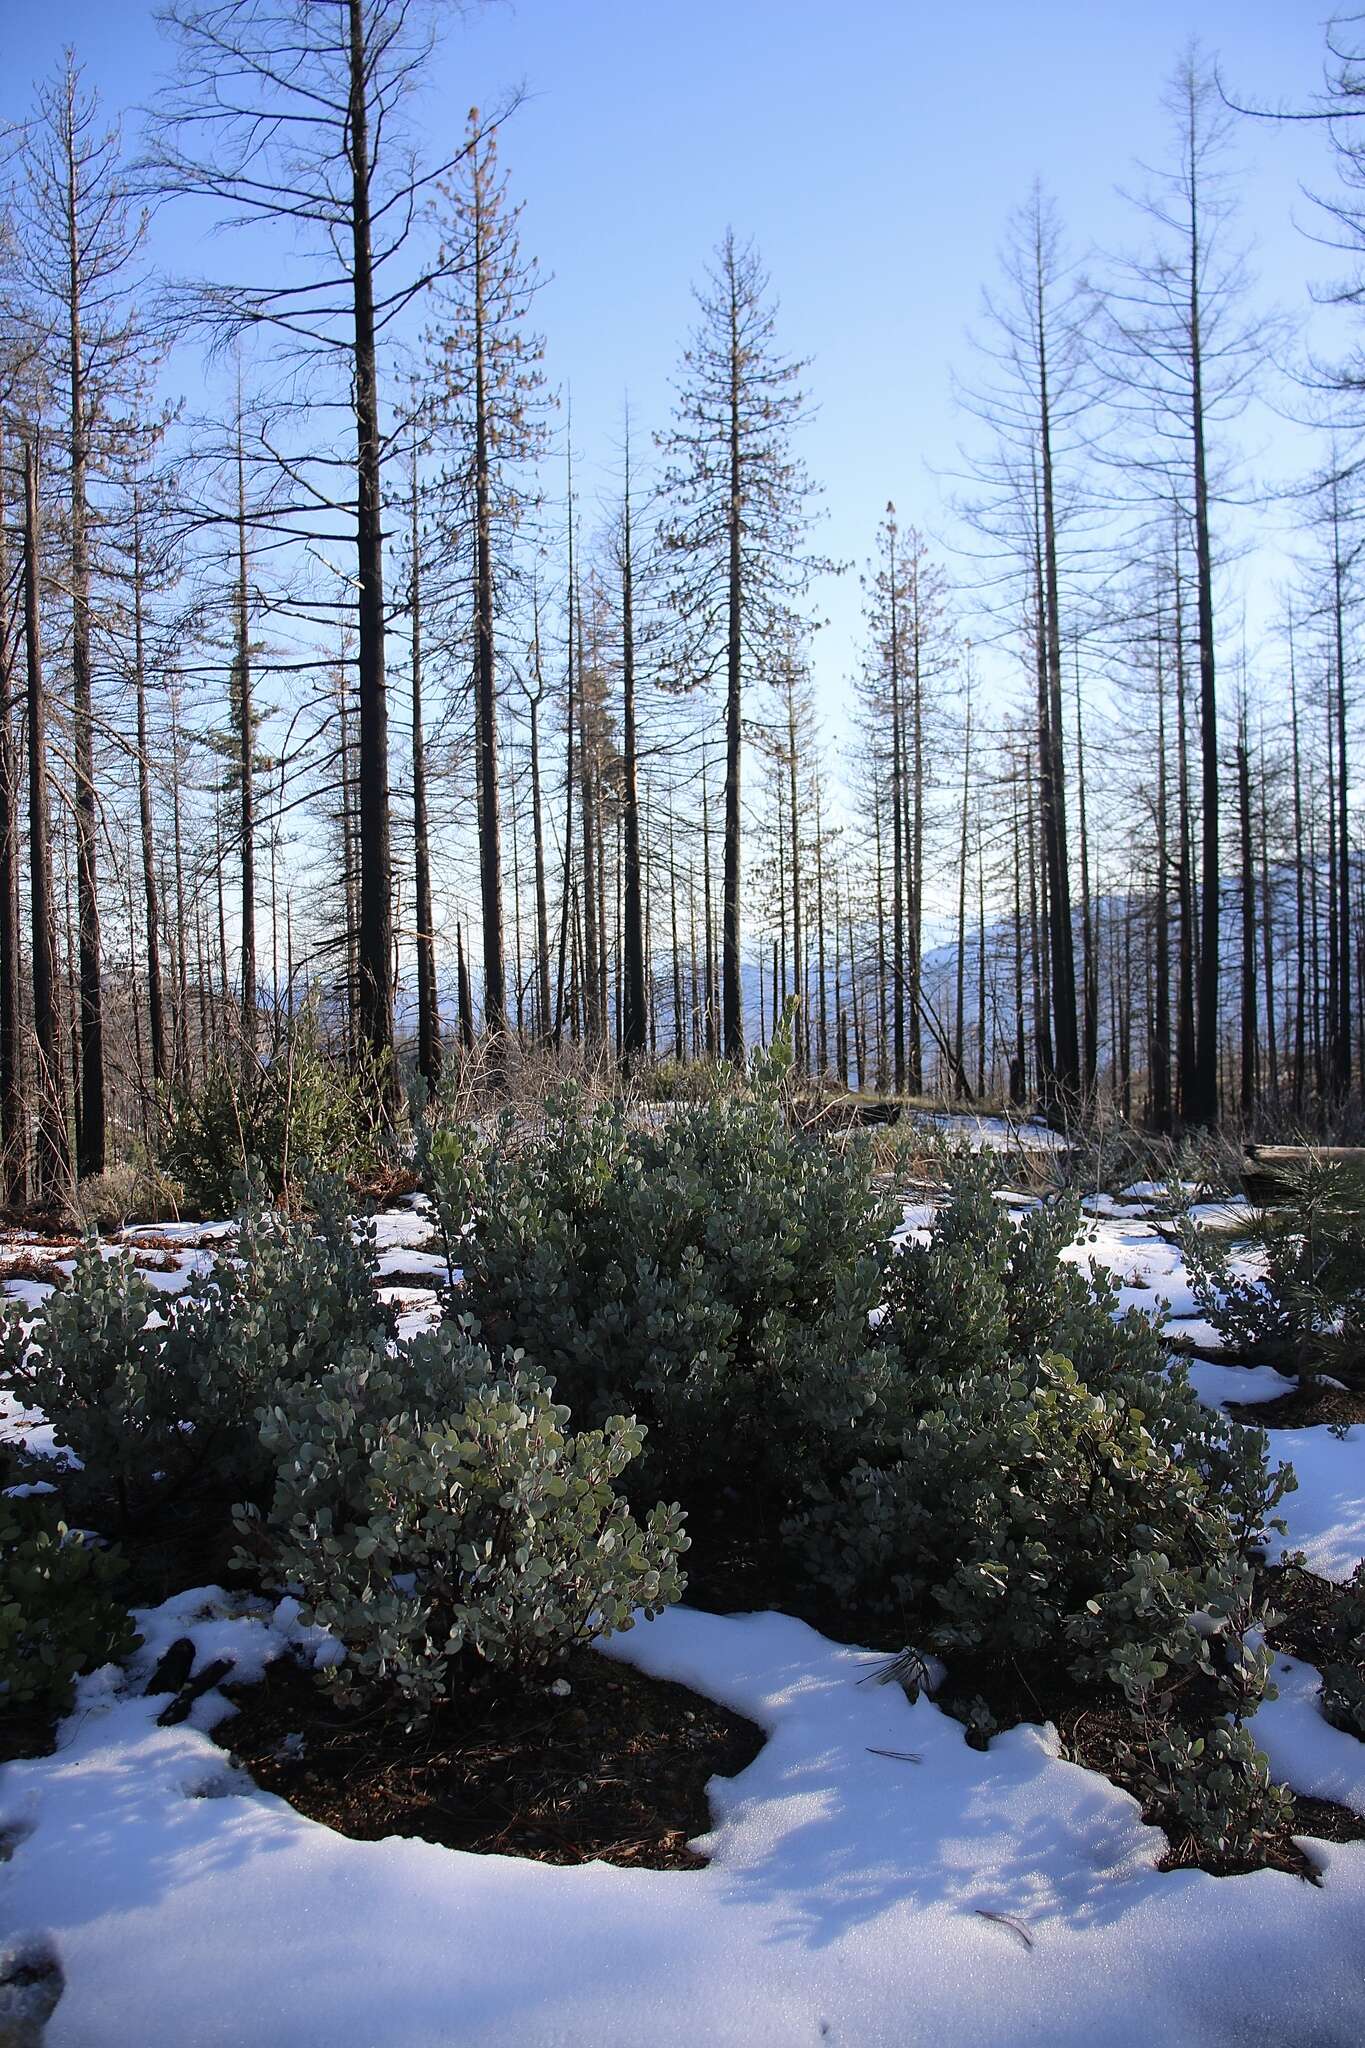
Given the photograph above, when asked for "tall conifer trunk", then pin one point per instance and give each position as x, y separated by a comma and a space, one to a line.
375, 935
156, 1008
428, 1008
54, 1162
13, 1134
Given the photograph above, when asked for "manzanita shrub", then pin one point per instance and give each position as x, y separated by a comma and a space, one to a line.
58, 1615
1040, 1485
153, 1391
1031, 1453
709, 1269
1213, 1793
435, 1511
274, 1117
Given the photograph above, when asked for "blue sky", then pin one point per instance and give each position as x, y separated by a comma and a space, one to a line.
873, 150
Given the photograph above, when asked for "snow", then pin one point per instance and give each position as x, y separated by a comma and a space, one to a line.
936, 1894
1326, 1516
32, 1293
1322, 1761
20, 1425
27, 1293
190, 1233
404, 1261
872, 1879
1216, 1384
411, 1225
989, 1133
1326, 1513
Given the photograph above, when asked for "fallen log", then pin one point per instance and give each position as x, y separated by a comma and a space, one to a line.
1269, 1171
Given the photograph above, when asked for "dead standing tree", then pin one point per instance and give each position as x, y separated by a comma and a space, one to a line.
1182, 353
738, 529
486, 422
290, 119
79, 239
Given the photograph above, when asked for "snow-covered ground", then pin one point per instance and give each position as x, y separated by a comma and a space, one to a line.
989, 1133
872, 1881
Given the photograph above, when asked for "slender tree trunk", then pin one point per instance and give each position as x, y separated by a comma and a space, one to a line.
519, 978
1185, 980
54, 1160
1341, 1022
1300, 933
698, 1041
428, 1002
206, 1034
135, 991
800, 1045
1066, 1043
566, 897
151, 903
1090, 1036
897, 835
914, 837
679, 1051
602, 934
650, 881
634, 1024
733, 988
854, 1000
485, 693
1249, 1090
545, 1021
1315, 953
1203, 1107
73, 998
1272, 1056
182, 984
882, 1033
960, 1071
820, 936
593, 1021
352, 884
465, 994
1327, 1084
13, 1133
710, 1019
246, 767
1161, 1004
90, 1150
1042, 1041
219, 863
375, 948
980, 967
1019, 1063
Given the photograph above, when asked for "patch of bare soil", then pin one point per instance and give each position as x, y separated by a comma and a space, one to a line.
1312, 1401
615, 1771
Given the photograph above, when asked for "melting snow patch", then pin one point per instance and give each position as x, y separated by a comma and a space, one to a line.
934, 1895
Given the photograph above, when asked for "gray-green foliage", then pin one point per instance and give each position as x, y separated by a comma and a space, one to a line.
1212, 1792
92, 1364
275, 1119
1343, 1677
711, 1271
154, 1391
58, 1617
1038, 1486
433, 1509
1303, 1310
